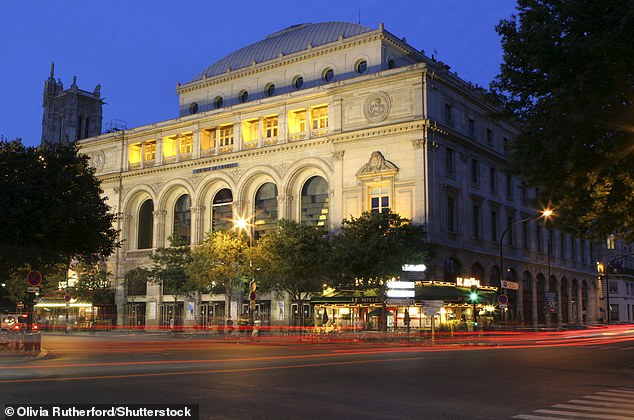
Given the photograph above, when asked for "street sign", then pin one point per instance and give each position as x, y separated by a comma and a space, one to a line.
510, 285
503, 300
34, 278
432, 306
33, 289
399, 302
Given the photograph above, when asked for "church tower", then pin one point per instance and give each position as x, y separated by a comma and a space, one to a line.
72, 114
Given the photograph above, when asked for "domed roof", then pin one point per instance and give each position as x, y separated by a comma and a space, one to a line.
287, 41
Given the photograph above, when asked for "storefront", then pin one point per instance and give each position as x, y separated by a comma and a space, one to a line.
54, 314
369, 309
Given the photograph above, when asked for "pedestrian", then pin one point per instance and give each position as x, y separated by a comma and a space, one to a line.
229, 326
256, 327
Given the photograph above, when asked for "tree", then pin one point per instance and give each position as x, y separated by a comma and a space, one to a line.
293, 259
219, 262
373, 248
170, 269
52, 208
568, 79
92, 286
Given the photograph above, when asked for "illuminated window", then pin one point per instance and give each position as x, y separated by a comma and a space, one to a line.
170, 146
149, 150
183, 217
265, 220
134, 153
319, 117
207, 139
611, 242
270, 126
186, 143
297, 121
250, 130
225, 135
379, 198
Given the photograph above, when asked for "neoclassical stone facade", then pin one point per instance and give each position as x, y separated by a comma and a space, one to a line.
320, 122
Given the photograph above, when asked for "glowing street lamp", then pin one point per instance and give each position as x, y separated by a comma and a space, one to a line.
546, 214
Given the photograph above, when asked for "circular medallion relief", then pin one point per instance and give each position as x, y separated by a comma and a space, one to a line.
377, 107
97, 160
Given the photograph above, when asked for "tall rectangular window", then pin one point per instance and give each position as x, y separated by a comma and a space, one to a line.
562, 245
379, 198
475, 171
297, 121
207, 138
492, 179
505, 145
509, 229
509, 186
524, 191
489, 136
186, 143
319, 117
573, 248
525, 235
450, 162
250, 130
471, 124
583, 251
551, 242
225, 135
475, 221
270, 126
451, 214
149, 150
494, 226
538, 238
448, 114
611, 242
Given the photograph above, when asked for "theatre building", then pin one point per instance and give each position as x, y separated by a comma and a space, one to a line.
320, 122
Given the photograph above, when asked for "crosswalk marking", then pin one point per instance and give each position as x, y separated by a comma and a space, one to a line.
612, 404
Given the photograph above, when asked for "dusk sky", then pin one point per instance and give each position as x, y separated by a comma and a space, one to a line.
137, 50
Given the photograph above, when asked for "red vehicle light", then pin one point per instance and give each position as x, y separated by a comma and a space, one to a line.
35, 327
17, 327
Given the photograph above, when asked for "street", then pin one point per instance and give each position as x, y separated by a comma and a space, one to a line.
240, 378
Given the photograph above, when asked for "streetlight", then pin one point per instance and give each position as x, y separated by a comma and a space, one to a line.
546, 214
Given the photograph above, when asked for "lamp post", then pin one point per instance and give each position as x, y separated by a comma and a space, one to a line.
546, 214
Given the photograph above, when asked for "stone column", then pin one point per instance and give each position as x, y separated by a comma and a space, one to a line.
196, 144
159, 151
336, 190
534, 301
159, 228
197, 224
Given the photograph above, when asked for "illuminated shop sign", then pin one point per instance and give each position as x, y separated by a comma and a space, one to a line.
467, 282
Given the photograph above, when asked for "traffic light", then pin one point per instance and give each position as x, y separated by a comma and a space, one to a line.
473, 296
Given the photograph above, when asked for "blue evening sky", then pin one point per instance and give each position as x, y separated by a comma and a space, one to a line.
138, 49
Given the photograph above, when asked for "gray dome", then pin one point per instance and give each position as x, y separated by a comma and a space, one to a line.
287, 41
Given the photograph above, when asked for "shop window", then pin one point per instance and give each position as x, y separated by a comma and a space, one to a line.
319, 117
314, 206
146, 225
379, 198
271, 125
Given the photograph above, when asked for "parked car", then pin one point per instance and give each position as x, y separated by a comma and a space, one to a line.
18, 323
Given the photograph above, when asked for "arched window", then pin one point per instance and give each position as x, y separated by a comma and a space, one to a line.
146, 225
314, 211
222, 210
477, 272
183, 217
452, 270
494, 276
265, 219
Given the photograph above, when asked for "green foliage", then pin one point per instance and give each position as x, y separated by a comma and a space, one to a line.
568, 78
92, 285
372, 248
136, 281
52, 208
293, 259
169, 268
219, 261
